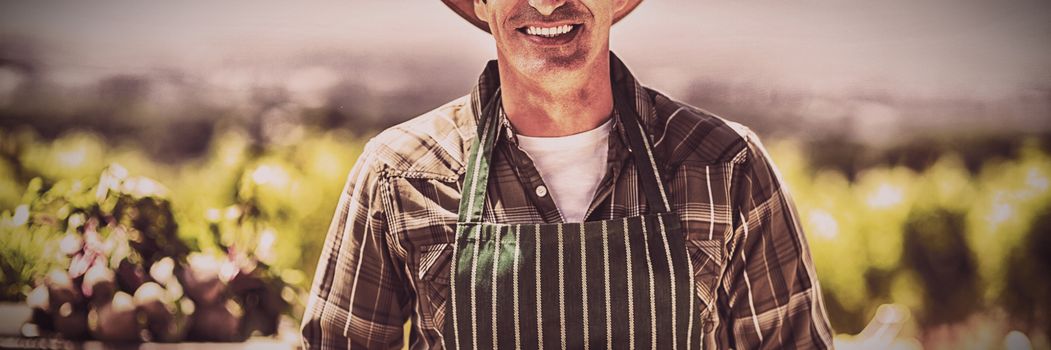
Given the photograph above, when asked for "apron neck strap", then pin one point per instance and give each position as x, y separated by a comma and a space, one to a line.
642, 151
472, 200
476, 181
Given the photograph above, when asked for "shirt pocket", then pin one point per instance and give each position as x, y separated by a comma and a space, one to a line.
700, 193
433, 277
706, 255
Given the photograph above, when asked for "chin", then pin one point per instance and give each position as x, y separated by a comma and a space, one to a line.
551, 64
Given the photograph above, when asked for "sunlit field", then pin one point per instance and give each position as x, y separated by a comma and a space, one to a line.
943, 255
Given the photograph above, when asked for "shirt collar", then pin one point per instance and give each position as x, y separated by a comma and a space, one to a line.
621, 80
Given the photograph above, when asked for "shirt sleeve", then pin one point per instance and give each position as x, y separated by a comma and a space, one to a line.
357, 299
772, 296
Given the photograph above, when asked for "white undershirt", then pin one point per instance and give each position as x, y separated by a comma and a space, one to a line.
571, 167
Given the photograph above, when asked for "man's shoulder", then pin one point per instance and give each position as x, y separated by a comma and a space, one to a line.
685, 133
431, 145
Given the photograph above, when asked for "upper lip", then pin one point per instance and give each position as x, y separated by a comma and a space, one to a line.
548, 24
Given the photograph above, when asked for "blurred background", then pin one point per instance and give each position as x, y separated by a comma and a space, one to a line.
210, 141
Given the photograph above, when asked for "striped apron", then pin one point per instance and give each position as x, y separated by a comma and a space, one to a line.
623, 283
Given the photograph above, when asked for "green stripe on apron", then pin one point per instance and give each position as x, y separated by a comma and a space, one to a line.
624, 283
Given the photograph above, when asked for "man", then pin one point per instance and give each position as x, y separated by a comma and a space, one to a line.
563, 205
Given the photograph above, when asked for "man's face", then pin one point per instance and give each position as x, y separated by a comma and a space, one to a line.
544, 37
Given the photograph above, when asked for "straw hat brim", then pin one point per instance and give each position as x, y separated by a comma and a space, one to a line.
465, 8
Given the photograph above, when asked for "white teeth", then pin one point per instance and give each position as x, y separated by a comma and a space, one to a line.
549, 32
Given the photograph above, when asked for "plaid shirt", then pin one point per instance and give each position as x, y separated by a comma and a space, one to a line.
387, 253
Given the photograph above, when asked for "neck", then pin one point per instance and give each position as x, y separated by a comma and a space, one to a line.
557, 104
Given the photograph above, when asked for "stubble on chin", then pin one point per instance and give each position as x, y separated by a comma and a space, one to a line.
554, 63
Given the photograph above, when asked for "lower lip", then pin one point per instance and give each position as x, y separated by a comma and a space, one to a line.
555, 40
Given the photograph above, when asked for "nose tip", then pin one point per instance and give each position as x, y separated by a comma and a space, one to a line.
546, 7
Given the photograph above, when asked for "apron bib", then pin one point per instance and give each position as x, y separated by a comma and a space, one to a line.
623, 283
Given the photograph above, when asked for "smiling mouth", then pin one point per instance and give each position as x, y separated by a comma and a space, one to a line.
549, 32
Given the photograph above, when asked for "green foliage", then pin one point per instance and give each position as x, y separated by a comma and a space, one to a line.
26, 253
937, 252
878, 236
945, 241
1027, 293
263, 210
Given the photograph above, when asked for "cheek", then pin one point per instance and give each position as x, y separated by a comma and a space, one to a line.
500, 32
602, 10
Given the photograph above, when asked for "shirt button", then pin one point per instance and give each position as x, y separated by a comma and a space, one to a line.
541, 191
